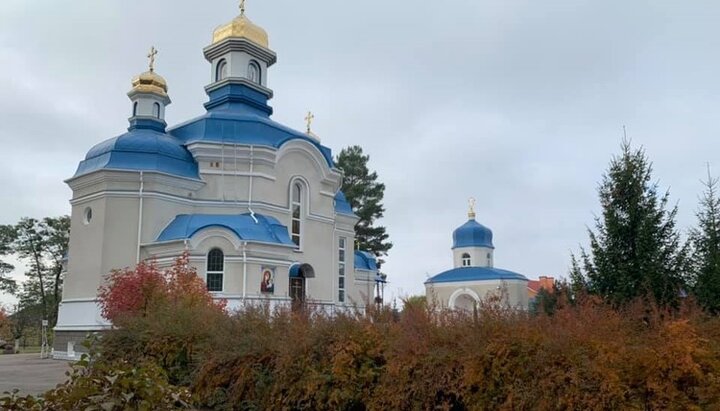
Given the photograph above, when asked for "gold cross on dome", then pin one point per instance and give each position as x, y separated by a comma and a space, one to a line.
472, 203
242, 7
151, 56
309, 119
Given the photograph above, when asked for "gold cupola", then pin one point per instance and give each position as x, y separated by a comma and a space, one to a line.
150, 81
242, 27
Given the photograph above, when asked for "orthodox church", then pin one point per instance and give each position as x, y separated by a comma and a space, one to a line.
256, 204
474, 278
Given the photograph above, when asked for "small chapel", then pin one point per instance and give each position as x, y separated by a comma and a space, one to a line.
255, 204
474, 278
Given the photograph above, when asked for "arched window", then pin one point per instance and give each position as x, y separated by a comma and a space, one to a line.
489, 258
254, 72
221, 72
156, 110
135, 105
215, 270
466, 260
296, 207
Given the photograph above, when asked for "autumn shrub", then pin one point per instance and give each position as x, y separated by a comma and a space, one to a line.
581, 355
586, 356
97, 384
163, 315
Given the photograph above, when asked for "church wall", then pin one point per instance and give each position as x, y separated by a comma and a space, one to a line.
85, 250
120, 236
441, 293
478, 256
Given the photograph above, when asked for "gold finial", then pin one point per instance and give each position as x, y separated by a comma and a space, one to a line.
471, 213
242, 7
151, 56
309, 119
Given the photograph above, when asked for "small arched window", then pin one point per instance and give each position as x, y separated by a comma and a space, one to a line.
215, 270
489, 259
254, 72
156, 110
221, 72
466, 260
296, 207
135, 106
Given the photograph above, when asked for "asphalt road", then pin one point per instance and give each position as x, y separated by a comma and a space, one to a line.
30, 374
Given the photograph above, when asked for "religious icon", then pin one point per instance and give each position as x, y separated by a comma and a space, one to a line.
268, 280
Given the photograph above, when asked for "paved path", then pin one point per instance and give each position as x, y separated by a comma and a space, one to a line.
30, 374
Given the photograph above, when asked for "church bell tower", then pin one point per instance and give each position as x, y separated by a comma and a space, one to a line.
239, 57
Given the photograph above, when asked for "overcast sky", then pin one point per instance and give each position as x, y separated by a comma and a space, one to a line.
518, 103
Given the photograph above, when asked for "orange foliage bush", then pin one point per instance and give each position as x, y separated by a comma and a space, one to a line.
584, 357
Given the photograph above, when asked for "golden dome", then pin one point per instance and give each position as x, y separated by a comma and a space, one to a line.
242, 27
150, 82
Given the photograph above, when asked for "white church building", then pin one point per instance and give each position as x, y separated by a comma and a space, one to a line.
474, 279
256, 204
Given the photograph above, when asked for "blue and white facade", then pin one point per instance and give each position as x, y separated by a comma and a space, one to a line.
256, 204
474, 278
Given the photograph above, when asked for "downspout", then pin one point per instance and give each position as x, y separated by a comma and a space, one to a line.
140, 217
250, 187
244, 254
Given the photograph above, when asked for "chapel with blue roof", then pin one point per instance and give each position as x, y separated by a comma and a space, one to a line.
474, 278
256, 204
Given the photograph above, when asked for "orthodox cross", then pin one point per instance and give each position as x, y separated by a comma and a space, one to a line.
151, 56
309, 118
242, 7
472, 203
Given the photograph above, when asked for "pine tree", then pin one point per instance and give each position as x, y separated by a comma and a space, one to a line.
365, 195
705, 241
635, 251
7, 236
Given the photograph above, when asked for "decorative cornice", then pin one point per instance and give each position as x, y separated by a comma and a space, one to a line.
239, 44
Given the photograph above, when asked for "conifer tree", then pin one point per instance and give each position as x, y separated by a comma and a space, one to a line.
365, 195
7, 236
635, 250
705, 241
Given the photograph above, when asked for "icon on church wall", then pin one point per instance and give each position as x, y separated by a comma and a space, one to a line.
267, 285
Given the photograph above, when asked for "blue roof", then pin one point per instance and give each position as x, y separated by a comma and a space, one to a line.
365, 261
237, 115
266, 230
342, 206
475, 274
141, 149
472, 234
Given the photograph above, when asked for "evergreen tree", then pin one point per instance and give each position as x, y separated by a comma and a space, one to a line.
365, 195
635, 250
7, 236
705, 241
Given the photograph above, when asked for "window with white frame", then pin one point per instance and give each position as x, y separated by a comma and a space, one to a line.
342, 245
296, 207
215, 270
254, 72
156, 110
466, 260
221, 72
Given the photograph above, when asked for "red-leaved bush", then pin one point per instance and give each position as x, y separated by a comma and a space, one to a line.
136, 292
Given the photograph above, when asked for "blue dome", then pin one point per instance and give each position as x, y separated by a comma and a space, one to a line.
472, 234
475, 274
141, 149
238, 114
